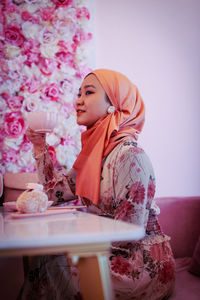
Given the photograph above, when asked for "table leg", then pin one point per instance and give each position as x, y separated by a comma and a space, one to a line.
95, 278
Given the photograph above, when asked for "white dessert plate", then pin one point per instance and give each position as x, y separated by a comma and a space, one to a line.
67, 207
52, 212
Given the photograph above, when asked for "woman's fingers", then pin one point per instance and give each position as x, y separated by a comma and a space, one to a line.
35, 137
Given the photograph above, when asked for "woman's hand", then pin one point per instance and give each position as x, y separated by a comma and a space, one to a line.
37, 139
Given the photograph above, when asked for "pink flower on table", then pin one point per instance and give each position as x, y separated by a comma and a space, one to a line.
10, 156
14, 124
51, 92
15, 102
62, 2
137, 192
66, 57
47, 66
13, 35
82, 12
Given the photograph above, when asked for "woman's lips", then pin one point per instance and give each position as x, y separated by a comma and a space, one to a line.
79, 112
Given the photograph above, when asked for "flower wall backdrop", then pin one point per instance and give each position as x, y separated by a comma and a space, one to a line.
45, 51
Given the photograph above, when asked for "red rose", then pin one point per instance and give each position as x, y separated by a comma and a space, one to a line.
13, 35
14, 124
62, 2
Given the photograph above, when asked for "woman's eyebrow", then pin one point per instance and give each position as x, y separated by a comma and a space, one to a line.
89, 86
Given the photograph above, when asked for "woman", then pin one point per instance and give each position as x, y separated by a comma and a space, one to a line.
113, 177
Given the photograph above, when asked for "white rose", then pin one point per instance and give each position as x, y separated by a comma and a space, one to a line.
31, 102
12, 51
66, 155
48, 50
52, 139
3, 105
13, 142
30, 30
26, 158
12, 168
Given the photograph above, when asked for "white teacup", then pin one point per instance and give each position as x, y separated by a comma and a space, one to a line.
41, 121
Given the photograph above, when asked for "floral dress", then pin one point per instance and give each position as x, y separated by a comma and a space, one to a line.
139, 270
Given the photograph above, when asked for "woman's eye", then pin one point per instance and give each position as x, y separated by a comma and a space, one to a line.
89, 92
79, 95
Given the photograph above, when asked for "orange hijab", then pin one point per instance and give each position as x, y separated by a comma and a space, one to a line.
108, 132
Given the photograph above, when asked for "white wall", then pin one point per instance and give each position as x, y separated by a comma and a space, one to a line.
156, 43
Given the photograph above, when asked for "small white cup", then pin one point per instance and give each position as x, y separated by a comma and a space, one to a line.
41, 121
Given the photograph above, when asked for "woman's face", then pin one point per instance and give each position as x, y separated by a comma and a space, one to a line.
91, 104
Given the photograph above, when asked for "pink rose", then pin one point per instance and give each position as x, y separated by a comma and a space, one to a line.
82, 12
10, 156
67, 109
51, 92
46, 13
32, 85
81, 36
48, 36
15, 102
14, 124
29, 168
26, 144
13, 35
67, 46
28, 17
83, 71
31, 45
66, 57
62, 2
32, 52
47, 66
67, 141
9, 8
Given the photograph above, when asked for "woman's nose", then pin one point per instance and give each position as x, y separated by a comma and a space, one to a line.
79, 101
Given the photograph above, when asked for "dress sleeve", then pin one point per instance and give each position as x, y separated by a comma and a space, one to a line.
134, 186
58, 185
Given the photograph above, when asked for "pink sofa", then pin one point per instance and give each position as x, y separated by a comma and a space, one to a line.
179, 218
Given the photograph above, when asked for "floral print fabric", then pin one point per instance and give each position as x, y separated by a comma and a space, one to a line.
139, 270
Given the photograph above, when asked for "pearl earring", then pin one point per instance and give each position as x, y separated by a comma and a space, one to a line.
111, 109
